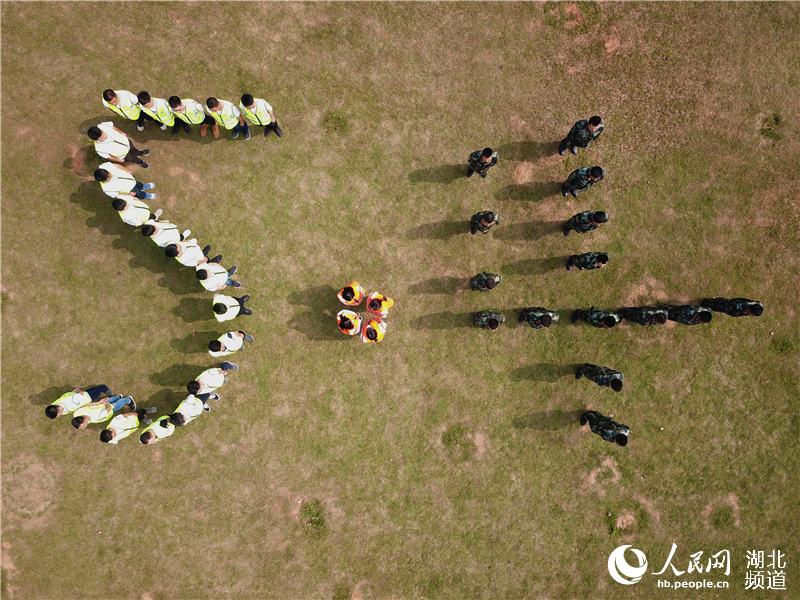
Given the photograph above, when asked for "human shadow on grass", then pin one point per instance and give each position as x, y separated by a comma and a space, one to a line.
527, 150
176, 376
439, 285
548, 372
152, 131
52, 393
194, 343
438, 230
318, 320
535, 266
532, 231
165, 401
194, 310
547, 420
439, 174
444, 320
533, 191
83, 162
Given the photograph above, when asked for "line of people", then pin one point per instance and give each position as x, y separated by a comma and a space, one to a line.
183, 113
97, 404
371, 327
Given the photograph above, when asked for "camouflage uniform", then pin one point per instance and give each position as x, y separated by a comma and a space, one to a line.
586, 261
578, 181
643, 315
595, 316
533, 316
580, 136
482, 318
478, 283
582, 222
687, 314
475, 224
476, 165
735, 307
602, 376
605, 427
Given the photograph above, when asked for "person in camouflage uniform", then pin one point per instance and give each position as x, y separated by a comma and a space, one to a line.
483, 221
585, 221
606, 428
582, 134
484, 281
538, 317
581, 180
587, 261
688, 314
597, 317
735, 307
489, 319
602, 376
644, 315
481, 161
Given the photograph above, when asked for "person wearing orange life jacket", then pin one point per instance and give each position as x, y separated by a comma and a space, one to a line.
352, 294
379, 305
373, 331
348, 322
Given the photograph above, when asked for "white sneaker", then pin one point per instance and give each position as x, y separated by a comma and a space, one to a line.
163, 127
158, 213
187, 233
140, 128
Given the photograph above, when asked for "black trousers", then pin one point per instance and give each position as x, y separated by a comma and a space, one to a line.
143, 116
134, 155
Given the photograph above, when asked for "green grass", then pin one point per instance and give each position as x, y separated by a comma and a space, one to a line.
446, 462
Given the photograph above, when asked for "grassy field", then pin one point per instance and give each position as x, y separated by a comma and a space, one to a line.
446, 462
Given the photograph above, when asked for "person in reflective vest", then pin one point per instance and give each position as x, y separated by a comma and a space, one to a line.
74, 399
124, 425
258, 111
159, 429
125, 104
352, 294
373, 331
163, 233
379, 305
226, 114
348, 322
101, 411
189, 112
211, 379
157, 109
229, 307
228, 343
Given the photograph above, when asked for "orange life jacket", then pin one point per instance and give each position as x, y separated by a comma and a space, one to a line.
376, 325
385, 304
355, 319
357, 298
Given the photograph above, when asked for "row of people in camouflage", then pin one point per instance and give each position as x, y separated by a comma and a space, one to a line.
182, 113
371, 326
685, 314
96, 404
582, 222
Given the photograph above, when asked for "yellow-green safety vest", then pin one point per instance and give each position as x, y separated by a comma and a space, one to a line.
162, 113
225, 117
130, 111
257, 117
192, 112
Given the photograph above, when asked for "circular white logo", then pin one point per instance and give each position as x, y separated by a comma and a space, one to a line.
621, 570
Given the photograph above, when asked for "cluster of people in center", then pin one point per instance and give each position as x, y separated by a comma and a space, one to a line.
581, 135
371, 325
96, 404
